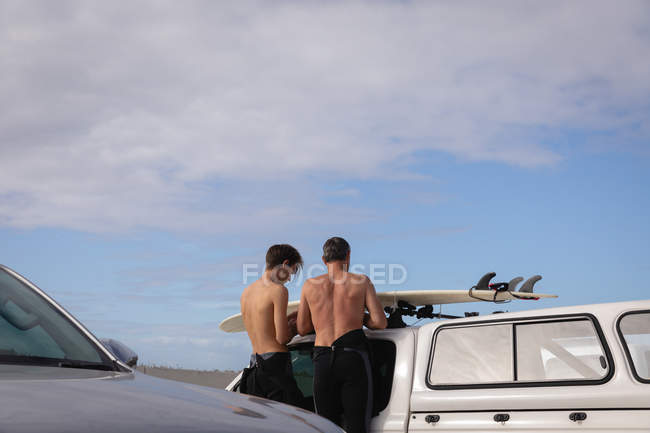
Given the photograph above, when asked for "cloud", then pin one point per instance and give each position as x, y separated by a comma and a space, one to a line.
345, 192
211, 117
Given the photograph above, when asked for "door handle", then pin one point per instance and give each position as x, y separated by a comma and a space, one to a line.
501, 417
432, 419
578, 416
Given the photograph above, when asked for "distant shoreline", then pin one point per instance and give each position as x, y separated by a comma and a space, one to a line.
215, 379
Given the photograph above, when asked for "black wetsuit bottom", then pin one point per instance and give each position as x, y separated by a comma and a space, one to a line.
271, 376
343, 382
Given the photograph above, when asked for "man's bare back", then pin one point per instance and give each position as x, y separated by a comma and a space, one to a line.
334, 304
264, 310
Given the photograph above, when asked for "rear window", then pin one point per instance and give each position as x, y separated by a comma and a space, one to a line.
478, 354
519, 354
559, 351
634, 329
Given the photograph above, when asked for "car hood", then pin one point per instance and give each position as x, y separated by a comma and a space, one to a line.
37, 399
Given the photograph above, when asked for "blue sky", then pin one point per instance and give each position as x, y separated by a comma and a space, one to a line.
147, 154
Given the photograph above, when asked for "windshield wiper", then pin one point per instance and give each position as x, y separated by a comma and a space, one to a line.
86, 365
53, 362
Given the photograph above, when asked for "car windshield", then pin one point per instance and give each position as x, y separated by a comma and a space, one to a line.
33, 332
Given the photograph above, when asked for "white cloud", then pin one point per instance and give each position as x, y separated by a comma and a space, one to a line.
168, 115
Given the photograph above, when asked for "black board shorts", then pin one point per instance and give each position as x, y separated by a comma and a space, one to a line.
343, 382
271, 376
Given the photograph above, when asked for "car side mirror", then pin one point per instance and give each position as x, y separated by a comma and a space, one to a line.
121, 351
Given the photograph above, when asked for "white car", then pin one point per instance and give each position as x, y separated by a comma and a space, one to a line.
580, 368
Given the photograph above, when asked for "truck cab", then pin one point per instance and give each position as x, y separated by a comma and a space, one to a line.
579, 368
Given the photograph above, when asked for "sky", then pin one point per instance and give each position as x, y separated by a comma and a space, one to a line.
151, 150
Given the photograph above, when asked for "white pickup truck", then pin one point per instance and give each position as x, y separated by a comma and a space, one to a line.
580, 368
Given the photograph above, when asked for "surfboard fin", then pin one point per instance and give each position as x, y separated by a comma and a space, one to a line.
513, 283
484, 282
529, 284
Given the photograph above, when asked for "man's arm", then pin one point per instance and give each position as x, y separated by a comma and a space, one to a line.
304, 323
376, 318
280, 300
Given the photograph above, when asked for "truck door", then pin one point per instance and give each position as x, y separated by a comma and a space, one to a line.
521, 375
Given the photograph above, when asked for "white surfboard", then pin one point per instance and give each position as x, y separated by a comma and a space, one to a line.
235, 323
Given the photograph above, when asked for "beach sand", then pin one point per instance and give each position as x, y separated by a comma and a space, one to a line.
215, 379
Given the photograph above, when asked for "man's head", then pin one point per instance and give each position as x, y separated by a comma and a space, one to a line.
336, 249
283, 260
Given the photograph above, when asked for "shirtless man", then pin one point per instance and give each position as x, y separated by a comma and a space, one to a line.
264, 311
334, 305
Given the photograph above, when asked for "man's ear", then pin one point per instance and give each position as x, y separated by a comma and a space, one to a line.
348, 257
285, 263
324, 261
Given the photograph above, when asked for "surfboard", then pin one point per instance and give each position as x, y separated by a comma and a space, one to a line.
235, 323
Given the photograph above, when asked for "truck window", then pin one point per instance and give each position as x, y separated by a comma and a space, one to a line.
472, 355
559, 351
544, 351
634, 329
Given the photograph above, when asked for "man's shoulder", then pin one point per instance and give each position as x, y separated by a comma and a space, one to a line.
250, 288
276, 292
359, 278
277, 287
317, 279
269, 286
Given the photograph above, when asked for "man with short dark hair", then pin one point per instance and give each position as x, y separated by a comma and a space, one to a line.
334, 305
264, 311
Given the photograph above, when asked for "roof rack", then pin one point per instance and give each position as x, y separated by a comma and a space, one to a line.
397, 311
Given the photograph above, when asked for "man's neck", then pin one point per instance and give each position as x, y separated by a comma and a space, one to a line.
268, 278
334, 269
